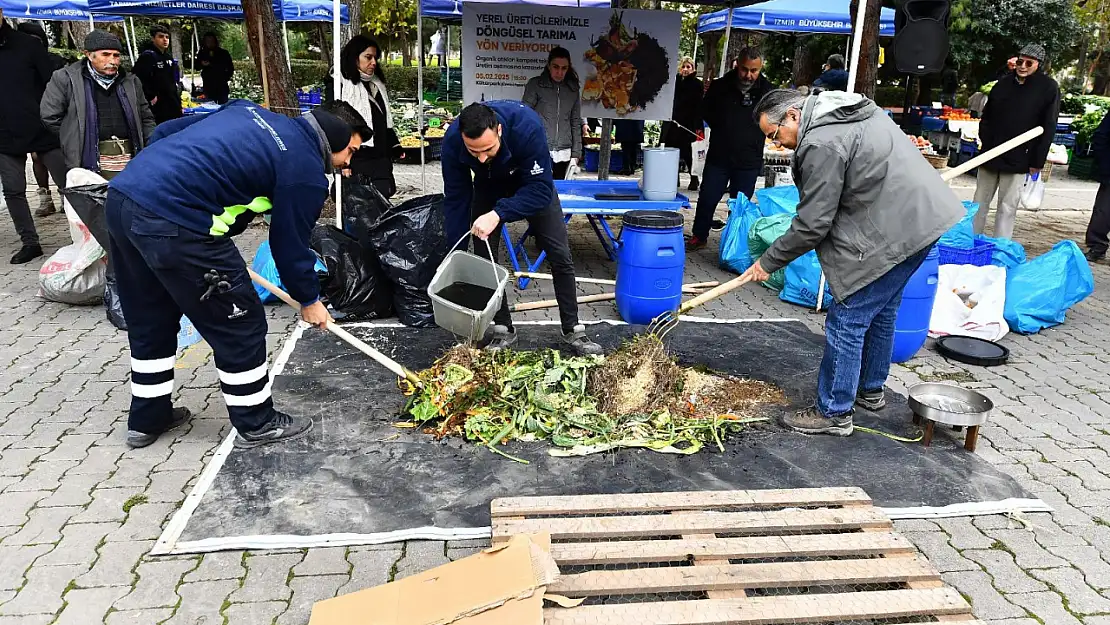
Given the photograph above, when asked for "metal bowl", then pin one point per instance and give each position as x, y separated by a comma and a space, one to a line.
950, 404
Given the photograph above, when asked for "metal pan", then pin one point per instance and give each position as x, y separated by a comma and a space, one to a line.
950, 404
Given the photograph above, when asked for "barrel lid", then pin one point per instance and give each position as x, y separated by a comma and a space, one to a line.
973, 350
653, 219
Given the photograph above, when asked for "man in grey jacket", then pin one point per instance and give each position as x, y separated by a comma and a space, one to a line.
872, 208
96, 109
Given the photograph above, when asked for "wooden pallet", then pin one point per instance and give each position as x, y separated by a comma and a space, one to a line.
820, 555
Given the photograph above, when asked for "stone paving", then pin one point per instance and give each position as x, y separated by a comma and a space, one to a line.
79, 512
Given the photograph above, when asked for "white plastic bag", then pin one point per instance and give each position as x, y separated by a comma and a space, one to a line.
971, 301
1032, 191
699, 149
1058, 154
75, 273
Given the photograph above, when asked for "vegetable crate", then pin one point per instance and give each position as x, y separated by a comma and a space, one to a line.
819, 556
1082, 167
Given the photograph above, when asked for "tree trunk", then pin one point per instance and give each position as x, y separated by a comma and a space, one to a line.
175, 45
1081, 64
406, 51
805, 70
77, 32
868, 71
712, 53
325, 45
354, 10
259, 15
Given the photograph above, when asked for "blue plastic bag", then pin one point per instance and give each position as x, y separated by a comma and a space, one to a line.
776, 200
187, 334
263, 265
802, 281
1007, 253
962, 235
1040, 292
734, 254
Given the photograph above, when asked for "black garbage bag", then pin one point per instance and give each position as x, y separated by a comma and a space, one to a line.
409, 243
88, 202
354, 284
112, 305
363, 205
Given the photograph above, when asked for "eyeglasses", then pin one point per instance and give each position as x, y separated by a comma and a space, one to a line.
1025, 63
775, 135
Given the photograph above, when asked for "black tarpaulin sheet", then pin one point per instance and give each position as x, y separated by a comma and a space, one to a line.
357, 478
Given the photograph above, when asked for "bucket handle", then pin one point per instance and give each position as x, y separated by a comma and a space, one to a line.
488, 248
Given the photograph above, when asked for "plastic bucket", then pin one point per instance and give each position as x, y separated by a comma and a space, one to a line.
465, 267
650, 265
660, 174
911, 328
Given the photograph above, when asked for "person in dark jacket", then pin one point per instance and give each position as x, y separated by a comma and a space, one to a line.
363, 87
735, 157
497, 168
681, 131
1098, 230
26, 67
833, 77
158, 71
216, 69
1018, 102
171, 216
97, 109
630, 134
42, 175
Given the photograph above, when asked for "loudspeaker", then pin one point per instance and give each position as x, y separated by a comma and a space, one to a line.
921, 36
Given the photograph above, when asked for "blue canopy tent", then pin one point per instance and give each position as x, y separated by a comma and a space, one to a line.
58, 11
452, 9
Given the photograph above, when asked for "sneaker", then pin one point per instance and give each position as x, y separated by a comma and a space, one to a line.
871, 400
580, 343
281, 428
694, 242
717, 225
46, 204
693, 184
136, 439
1095, 257
810, 421
26, 254
504, 337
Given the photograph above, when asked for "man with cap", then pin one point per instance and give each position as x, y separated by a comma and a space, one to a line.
158, 71
1020, 100
96, 109
26, 66
171, 215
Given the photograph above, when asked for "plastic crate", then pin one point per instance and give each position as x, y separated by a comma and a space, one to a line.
979, 255
969, 147
1063, 127
930, 123
1082, 167
1066, 139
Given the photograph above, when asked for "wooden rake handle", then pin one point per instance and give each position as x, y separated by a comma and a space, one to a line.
713, 294
387, 362
992, 153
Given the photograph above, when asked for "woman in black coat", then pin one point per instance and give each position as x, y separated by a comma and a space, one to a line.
687, 116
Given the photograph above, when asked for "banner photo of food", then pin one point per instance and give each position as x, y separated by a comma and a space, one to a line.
625, 60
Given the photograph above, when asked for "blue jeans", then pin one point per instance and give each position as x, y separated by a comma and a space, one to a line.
715, 180
859, 339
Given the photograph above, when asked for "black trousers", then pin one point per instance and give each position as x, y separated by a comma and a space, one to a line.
550, 232
1098, 230
630, 153
559, 170
160, 270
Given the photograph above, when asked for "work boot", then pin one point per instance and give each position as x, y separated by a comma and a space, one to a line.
717, 225
694, 242
694, 184
46, 204
504, 337
136, 439
581, 343
871, 400
281, 428
1094, 256
26, 254
811, 421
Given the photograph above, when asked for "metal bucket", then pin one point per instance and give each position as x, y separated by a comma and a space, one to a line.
465, 267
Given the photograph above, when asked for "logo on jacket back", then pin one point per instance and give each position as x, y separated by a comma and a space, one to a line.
236, 312
536, 169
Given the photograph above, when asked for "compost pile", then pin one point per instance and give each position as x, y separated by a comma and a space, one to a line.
637, 397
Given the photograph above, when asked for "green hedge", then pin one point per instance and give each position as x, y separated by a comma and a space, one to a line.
401, 81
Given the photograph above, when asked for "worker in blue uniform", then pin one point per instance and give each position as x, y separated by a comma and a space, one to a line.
171, 215
497, 168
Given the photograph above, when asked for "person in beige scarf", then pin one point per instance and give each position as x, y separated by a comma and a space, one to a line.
363, 87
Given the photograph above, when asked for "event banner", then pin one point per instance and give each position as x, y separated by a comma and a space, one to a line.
626, 60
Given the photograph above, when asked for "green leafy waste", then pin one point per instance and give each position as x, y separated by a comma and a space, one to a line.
636, 398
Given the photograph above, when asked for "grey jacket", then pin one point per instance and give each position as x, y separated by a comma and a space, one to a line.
63, 109
560, 107
868, 198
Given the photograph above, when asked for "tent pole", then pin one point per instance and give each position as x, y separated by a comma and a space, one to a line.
724, 47
695, 55
193, 60
447, 59
335, 78
285, 36
420, 91
134, 40
91, 25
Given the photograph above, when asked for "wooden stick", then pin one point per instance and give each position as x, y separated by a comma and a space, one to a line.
959, 170
551, 303
379, 357
712, 295
686, 288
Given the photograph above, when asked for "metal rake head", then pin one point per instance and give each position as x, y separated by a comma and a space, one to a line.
663, 324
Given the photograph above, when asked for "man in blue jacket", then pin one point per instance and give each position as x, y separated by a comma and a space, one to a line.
496, 167
171, 214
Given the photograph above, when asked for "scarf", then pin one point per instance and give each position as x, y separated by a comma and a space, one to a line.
104, 81
90, 151
362, 96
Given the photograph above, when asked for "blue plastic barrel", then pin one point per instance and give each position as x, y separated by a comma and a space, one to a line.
912, 325
650, 265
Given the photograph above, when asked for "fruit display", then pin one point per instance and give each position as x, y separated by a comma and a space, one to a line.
956, 115
434, 133
920, 142
412, 142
